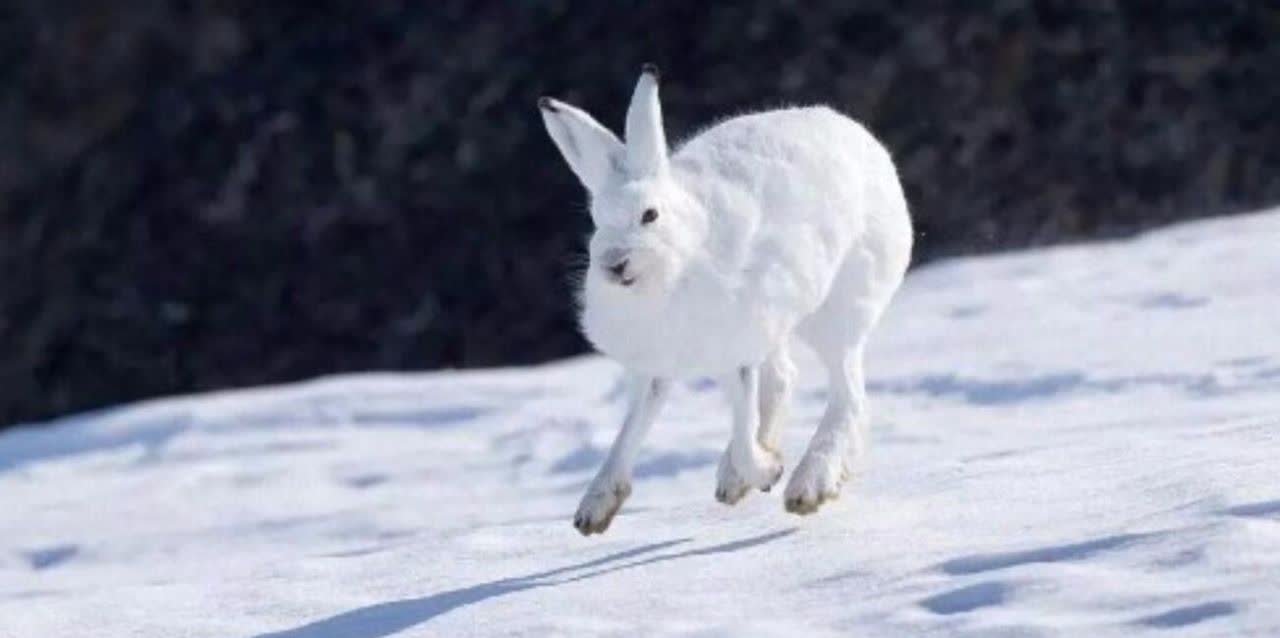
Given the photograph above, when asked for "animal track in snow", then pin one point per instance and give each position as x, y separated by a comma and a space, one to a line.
48, 557
999, 392
1172, 301
968, 598
1260, 509
978, 563
1189, 615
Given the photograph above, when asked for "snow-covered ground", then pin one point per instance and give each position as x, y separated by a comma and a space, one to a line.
1080, 441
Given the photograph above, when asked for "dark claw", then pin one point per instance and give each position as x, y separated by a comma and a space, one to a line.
545, 103
799, 506
725, 497
651, 69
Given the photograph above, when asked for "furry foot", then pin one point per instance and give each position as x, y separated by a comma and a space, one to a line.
816, 480
599, 505
733, 483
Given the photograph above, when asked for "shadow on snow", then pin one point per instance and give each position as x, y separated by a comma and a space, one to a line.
384, 619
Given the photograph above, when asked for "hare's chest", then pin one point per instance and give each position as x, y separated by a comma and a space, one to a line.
707, 336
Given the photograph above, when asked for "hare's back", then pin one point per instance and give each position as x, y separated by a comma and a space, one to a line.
790, 135
794, 189
792, 161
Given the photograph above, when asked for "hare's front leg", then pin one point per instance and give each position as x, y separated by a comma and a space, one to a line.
612, 484
746, 464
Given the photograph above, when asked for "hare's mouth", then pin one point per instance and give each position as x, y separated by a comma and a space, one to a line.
622, 280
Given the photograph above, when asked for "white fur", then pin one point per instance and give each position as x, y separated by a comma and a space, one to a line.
769, 225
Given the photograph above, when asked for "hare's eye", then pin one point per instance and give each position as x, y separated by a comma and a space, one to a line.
649, 216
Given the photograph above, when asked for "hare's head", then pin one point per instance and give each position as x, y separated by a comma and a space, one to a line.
646, 226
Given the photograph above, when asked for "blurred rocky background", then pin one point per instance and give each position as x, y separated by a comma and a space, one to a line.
218, 193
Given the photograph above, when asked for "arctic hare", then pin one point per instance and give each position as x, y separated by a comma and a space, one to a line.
707, 260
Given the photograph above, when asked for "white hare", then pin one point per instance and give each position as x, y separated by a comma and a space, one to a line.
707, 260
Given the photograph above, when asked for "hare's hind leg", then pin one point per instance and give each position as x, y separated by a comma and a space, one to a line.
745, 464
840, 439
838, 333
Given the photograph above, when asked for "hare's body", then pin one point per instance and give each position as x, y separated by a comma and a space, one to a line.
708, 261
792, 198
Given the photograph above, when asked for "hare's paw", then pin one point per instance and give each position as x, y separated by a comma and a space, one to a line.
816, 480
599, 505
765, 468
735, 479
730, 487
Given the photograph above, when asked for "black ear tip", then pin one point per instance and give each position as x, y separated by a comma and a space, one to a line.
651, 69
547, 104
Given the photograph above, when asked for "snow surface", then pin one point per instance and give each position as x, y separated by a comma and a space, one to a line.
1081, 440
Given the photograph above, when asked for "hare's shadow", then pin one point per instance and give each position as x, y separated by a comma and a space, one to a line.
384, 619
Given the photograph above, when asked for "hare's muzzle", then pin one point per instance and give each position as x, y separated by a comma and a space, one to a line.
615, 266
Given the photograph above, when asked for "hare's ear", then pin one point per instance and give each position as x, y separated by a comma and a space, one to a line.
591, 150
646, 143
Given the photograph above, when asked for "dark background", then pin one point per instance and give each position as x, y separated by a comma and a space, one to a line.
207, 193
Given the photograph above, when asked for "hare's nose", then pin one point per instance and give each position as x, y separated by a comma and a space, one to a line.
614, 260
619, 269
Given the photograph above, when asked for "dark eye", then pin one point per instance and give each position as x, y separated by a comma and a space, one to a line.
649, 216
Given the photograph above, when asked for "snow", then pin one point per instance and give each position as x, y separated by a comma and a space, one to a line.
1082, 440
